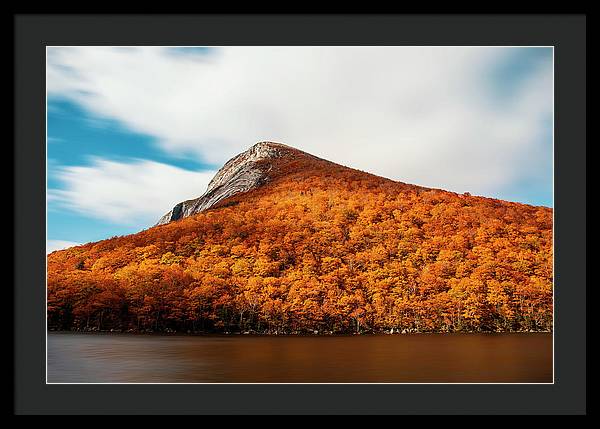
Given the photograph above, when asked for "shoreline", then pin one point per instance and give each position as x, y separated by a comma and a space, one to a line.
258, 334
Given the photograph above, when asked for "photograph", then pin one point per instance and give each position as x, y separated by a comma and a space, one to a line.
222, 214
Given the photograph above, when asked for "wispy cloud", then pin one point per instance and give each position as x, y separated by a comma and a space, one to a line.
126, 193
53, 245
438, 116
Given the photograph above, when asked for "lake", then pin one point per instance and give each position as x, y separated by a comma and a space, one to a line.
411, 358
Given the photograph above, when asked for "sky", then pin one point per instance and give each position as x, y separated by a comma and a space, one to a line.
131, 131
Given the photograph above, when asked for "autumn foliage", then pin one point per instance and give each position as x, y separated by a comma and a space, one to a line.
321, 247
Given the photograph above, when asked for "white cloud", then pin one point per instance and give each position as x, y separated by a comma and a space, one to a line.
126, 193
53, 245
414, 114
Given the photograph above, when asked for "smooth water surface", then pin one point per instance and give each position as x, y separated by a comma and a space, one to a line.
416, 358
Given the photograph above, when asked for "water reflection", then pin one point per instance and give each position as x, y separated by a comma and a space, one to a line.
124, 358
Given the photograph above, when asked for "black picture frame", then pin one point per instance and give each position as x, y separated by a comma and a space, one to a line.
567, 33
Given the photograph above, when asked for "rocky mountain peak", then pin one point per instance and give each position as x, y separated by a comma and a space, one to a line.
242, 173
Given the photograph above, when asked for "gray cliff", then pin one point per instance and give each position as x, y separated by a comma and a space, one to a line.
242, 173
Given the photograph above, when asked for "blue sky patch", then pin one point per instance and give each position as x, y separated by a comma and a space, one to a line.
514, 68
74, 137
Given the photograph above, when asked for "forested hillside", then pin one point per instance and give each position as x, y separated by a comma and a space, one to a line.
319, 247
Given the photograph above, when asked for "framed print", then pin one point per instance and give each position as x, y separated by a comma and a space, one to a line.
386, 215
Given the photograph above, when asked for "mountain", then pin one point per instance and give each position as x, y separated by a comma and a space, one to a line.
248, 170
285, 242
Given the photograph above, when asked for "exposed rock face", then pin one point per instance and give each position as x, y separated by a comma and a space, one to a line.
242, 173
